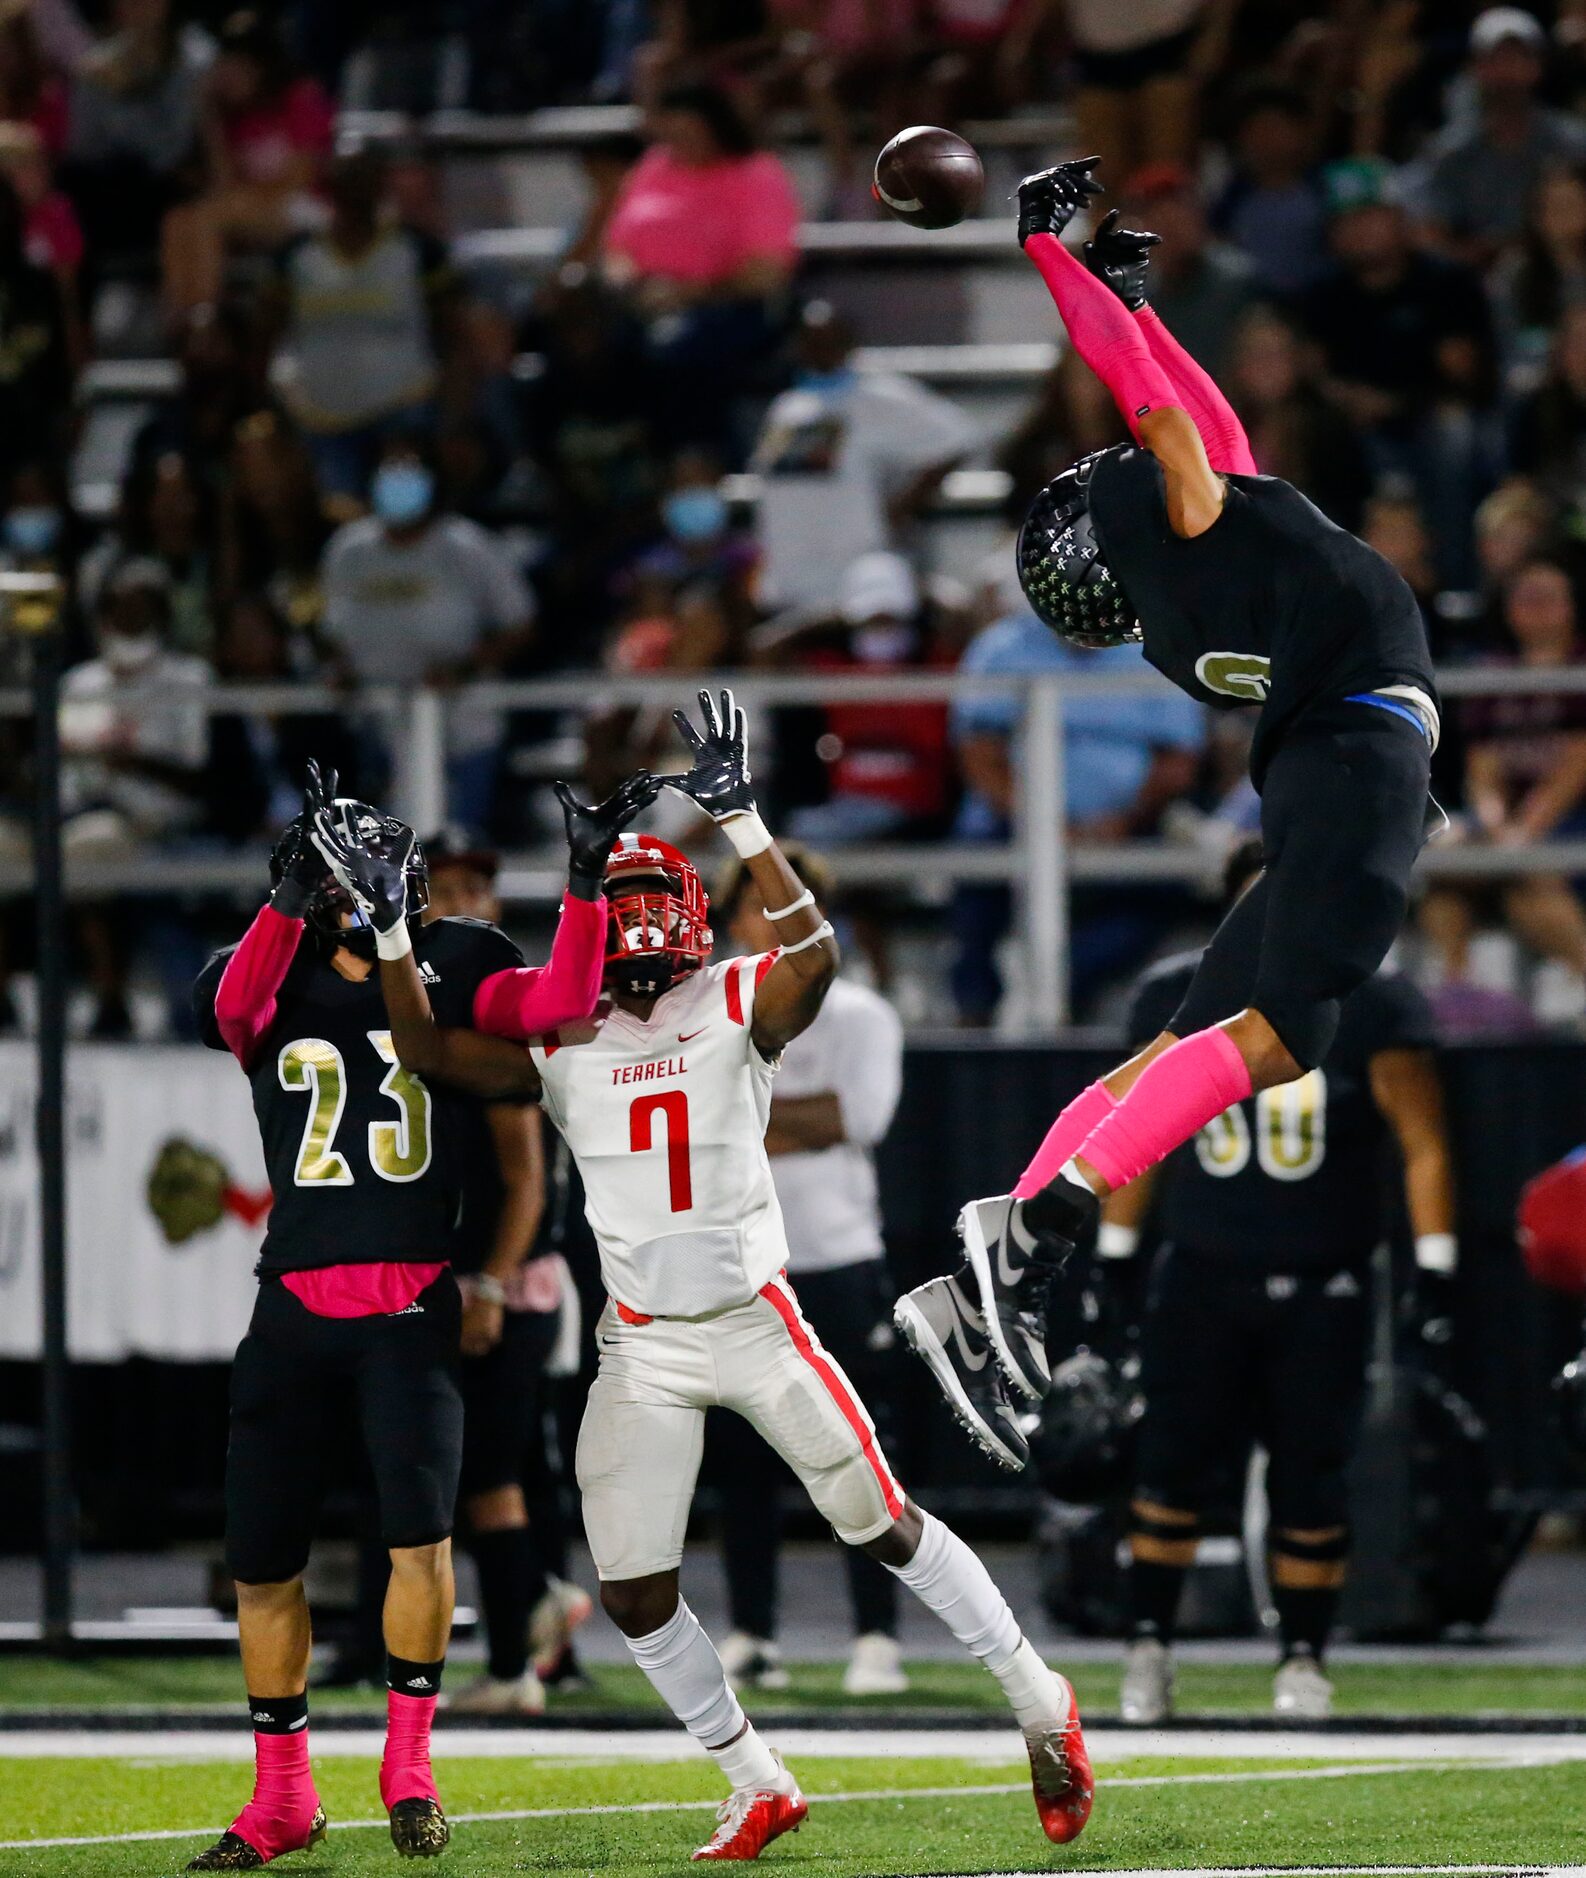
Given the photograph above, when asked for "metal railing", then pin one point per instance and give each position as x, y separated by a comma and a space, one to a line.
1038, 863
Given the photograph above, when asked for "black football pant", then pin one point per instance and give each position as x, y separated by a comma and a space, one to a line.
1344, 813
852, 1310
1232, 1355
292, 1370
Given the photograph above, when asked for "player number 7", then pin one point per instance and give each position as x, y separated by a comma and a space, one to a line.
673, 1104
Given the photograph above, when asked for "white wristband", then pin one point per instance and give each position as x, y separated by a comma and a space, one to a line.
794, 906
747, 833
1437, 1252
1116, 1242
822, 931
396, 944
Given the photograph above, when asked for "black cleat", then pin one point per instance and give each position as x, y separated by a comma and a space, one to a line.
231, 1852
943, 1328
1014, 1249
419, 1829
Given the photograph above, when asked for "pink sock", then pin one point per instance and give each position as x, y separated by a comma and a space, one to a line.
284, 1802
1064, 1139
1177, 1093
405, 1771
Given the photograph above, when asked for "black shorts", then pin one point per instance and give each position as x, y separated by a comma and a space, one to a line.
401, 1371
1232, 1354
501, 1401
1139, 65
1344, 813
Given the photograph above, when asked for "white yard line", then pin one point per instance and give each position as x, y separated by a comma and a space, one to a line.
1334, 1871
649, 1745
1242, 1776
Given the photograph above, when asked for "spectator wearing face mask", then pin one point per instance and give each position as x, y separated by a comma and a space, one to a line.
417, 596
847, 461
702, 553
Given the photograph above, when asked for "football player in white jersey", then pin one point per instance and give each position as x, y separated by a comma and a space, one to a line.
663, 1098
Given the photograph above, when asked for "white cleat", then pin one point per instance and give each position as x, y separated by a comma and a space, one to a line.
753, 1662
552, 1623
1146, 1697
875, 1667
1300, 1692
495, 1695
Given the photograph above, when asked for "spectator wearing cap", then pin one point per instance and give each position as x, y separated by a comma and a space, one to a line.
1477, 176
886, 763
1200, 286
847, 459
1407, 340
416, 596
835, 1099
1127, 759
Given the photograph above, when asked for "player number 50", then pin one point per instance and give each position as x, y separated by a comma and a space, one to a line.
399, 1150
1290, 1133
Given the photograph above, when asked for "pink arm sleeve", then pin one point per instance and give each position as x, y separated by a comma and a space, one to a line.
532, 1000
245, 996
1104, 333
1227, 446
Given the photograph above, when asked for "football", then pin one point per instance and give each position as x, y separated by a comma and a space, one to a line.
929, 178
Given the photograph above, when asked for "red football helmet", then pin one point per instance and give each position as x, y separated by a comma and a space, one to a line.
659, 931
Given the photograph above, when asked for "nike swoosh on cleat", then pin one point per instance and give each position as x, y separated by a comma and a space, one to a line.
969, 1359
1013, 1229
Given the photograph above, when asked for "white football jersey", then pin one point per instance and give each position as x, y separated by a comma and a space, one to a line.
666, 1120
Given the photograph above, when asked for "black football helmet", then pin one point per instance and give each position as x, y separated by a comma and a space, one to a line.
1084, 1445
1062, 570
330, 902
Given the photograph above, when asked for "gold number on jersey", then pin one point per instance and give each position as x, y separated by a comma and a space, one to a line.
312, 1063
1290, 1133
1242, 675
398, 1150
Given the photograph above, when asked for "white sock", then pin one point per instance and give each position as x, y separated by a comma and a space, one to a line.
1071, 1170
685, 1671
948, 1578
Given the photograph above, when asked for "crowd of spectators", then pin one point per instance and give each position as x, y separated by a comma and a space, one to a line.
373, 467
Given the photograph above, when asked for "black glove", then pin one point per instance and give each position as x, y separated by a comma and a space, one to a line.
303, 865
1119, 258
376, 883
1050, 199
719, 782
592, 830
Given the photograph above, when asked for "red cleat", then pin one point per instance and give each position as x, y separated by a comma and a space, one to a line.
1065, 1788
750, 1819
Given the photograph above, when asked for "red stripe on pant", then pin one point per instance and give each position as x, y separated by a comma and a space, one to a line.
781, 1299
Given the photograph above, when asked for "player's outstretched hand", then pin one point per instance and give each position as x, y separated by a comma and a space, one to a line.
719, 781
1050, 199
376, 883
1120, 258
302, 865
593, 828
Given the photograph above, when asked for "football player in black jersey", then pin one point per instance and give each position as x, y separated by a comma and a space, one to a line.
1244, 594
355, 1297
1257, 1322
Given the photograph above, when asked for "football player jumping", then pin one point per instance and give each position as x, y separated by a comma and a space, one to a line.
663, 1100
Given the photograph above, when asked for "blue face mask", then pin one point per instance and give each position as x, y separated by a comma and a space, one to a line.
831, 383
694, 514
32, 529
402, 492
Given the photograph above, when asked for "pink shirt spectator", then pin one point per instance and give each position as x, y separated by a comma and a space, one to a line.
701, 222
301, 122
52, 236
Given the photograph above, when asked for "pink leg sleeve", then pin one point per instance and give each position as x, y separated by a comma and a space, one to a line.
1227, 446
278, 1817
1177, 1093
405, 1772
1104, 332
1064, 1139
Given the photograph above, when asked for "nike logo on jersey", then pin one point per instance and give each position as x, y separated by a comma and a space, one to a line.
692, 1035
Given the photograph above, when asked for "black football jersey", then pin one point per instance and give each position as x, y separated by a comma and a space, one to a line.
366, 1162
1291, 1180
1274, 605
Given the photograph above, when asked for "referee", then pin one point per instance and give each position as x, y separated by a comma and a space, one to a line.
834, 1102
1257, 1317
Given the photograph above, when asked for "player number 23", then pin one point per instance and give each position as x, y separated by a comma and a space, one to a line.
399, 1150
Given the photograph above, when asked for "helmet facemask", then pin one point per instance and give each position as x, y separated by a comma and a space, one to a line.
1063, 571
658, 932
332, 915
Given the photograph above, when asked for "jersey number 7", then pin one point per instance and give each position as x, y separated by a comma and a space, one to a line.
673, 1105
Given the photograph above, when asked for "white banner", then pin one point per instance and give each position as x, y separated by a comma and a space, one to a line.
166, 1199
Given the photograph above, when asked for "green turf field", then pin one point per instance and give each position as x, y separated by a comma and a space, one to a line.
1150, 1816
1364, 1689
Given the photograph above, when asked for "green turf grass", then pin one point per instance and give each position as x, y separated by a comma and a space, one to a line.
1464, 1688
1429, 1816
